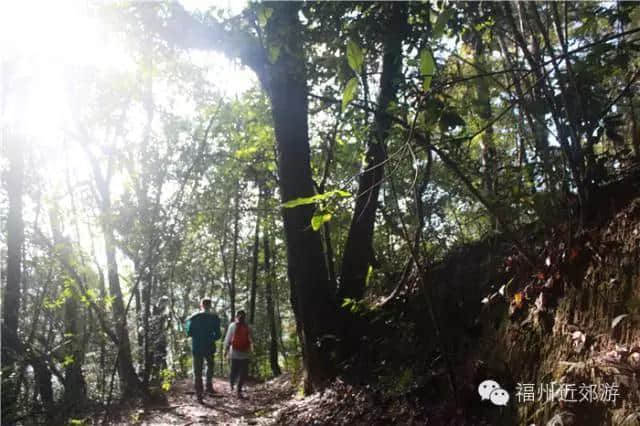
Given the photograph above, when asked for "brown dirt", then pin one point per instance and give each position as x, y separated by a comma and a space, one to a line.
590, 334
257, 408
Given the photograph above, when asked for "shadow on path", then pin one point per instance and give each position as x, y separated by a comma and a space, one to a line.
225, 408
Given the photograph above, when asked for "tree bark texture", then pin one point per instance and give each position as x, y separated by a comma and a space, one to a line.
311, 297
271, 313
358, 251
234, 259
254, 265
285, 81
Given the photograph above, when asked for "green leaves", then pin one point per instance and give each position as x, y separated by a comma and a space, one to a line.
427, 68
167, 378
68, 360
315, 198
274, 53
355, 56
443, 17
321, 216
263, 16
319, 219
245, 153
349, 92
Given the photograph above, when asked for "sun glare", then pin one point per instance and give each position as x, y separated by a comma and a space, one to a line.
39, 41
42, 44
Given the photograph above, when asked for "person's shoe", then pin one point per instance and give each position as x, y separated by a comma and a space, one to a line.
200, 399
210, 390
240, 395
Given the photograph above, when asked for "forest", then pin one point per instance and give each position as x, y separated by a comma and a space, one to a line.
410, 201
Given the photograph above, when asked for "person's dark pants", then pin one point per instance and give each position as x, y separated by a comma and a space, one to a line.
198, 361
239, 372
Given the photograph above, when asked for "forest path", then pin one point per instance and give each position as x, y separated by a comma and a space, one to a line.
258, 406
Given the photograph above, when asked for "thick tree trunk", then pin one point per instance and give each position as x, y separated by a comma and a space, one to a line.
313, 303
75, 387
271, 313
11, 296
44, 388
358, 252
285, 81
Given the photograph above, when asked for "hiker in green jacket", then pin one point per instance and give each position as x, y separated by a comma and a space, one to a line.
204, 329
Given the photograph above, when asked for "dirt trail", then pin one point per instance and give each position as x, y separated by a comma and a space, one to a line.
256, 408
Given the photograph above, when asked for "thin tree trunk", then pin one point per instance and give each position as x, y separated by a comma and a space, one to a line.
635, 128
483, 99
254, 264
102, 377
75, 387
146, 314
271, 315
138, 304
536, 121
570, 146
234, 259
11, 296
130, 383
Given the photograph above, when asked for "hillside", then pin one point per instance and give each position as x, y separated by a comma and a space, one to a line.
570, 322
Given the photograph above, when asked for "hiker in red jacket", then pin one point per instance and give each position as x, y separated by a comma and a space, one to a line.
239, 339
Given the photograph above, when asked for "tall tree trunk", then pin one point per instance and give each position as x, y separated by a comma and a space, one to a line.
11, 297
313, 303
75, 387
137, 300
102, 376
254, 264
234, 259
271, 313
146, 314
129, 382
44, 387
358, 252
285, 81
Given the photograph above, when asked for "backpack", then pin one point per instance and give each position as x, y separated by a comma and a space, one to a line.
240, 341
